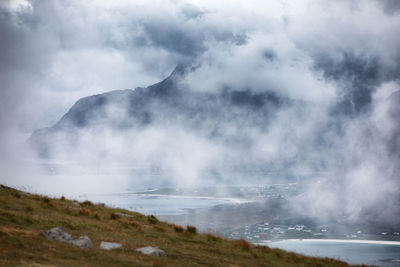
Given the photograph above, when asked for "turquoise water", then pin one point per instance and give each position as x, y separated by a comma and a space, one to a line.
353, 253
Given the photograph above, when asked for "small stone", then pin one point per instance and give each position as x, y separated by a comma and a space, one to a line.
82, 242
75, 204
110, 245
152, 251
123, 214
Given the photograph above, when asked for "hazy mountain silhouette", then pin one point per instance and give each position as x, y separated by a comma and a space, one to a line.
166, 101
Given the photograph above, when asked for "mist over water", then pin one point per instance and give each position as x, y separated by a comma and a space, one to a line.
263, 93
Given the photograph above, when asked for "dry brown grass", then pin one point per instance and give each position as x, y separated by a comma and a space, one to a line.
159, 228
29, 209
214, 238
191, 229
87, 203
243, 244
46, 199
23, 217
114, 216
178, 228
152, 219
159, 263
85, 212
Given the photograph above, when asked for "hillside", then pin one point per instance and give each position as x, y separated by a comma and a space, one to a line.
24, 217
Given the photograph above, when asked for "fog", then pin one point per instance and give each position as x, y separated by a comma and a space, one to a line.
311, 91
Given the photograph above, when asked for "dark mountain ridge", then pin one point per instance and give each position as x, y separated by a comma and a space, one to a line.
165, 102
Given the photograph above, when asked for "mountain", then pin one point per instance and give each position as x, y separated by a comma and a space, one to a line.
223, 134
168, 102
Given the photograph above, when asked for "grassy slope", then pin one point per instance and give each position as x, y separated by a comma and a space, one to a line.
23, 218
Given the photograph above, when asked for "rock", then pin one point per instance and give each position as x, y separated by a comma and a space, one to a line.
110, 245
76, 204
61, 235
123, 214
152, 251
58, 234
82, 242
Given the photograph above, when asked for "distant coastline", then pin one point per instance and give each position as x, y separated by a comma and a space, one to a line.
229, 199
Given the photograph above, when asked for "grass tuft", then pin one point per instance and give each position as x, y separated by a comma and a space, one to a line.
84, 212
134, 224
178, 228
191, 229
28, 208
213, 238
246, 246
114, 216
152, 219
96, 216
48, 202
87, 203
159, 228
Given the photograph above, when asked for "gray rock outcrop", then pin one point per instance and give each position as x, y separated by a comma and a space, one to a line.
152, 251
58, 234
61, 235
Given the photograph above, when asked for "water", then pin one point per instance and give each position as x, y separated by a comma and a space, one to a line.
353, 253
157, 204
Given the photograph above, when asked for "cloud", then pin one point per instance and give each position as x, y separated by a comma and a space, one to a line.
246, 66
390, 6
331, 65
16, 5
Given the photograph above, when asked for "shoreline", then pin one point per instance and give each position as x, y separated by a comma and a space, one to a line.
352, 241
231, 200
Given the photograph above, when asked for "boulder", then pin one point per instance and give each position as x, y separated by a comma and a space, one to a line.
58, 234
152, 251
61, 235
110, 245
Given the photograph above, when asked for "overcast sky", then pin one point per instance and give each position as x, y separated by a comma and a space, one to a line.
341, 57
54, 52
